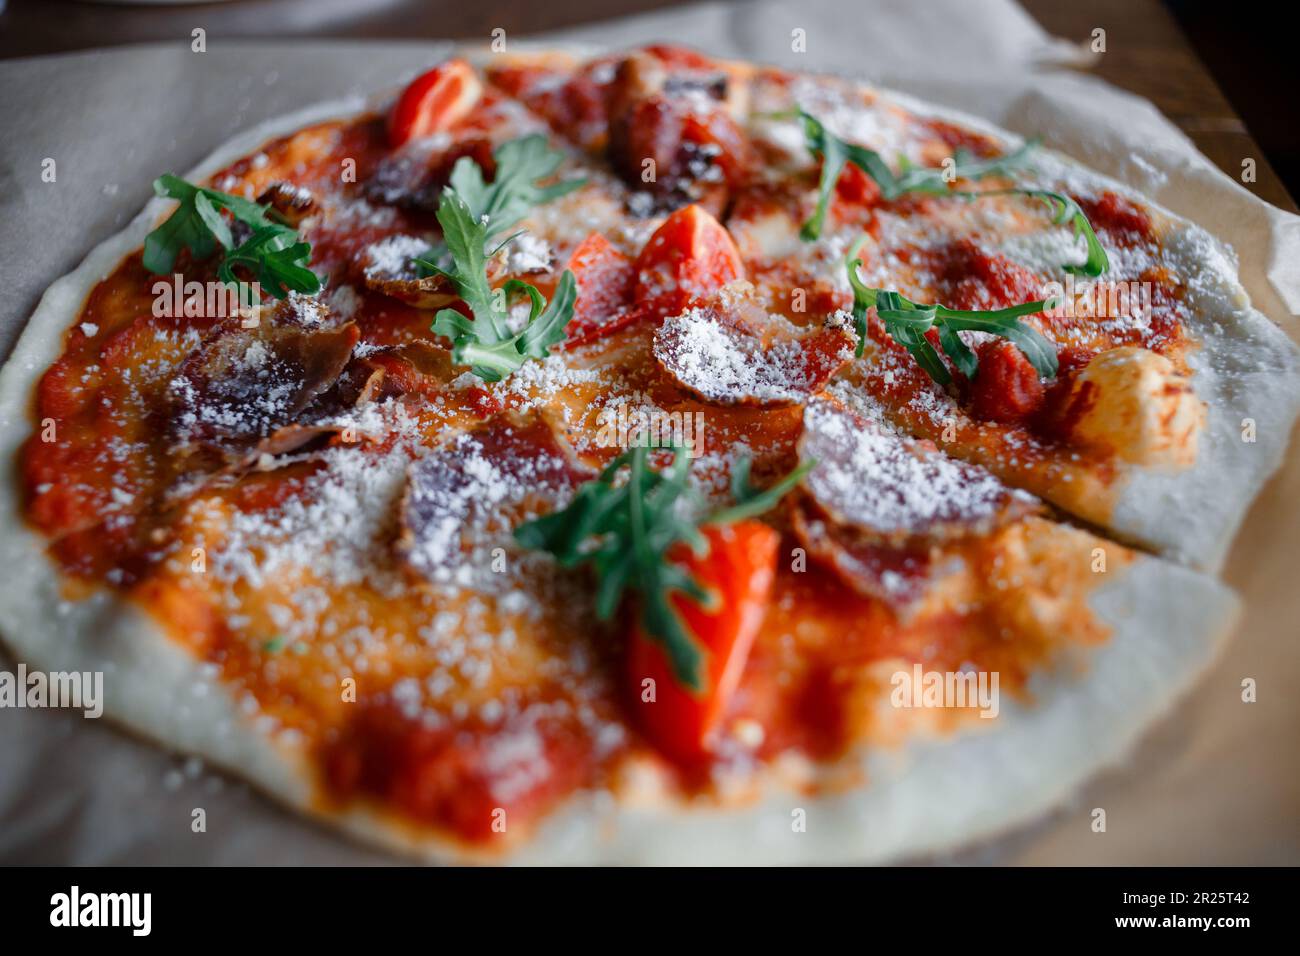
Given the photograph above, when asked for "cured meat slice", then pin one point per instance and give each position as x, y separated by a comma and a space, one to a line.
730, 353
462, 500
896, 575
901, 490
241, 384
881, 508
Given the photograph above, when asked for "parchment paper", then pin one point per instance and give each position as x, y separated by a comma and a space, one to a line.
1215, 783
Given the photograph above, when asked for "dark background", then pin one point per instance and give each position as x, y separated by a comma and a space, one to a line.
1223, 72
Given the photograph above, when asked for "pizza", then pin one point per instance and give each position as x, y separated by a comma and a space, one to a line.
640, 458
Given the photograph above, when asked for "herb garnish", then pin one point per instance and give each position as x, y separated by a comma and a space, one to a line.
472, 212
1063, 210
907, 322
835, 152
273, 252
625, 530
514, 190
485, 343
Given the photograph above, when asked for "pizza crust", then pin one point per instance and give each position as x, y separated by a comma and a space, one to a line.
931, 797
1245, 367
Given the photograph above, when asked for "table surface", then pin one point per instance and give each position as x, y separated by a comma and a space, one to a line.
1146, 53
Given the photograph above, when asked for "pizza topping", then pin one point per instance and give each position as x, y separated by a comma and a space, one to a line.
461, 501
1132, 403
573, 103
1064, 210
604, 279
897, 574
391, 266
625, 530
1118, 217
973, 278
835, 153
899, 489
334, 520
241, 384
672, 133
413, 178
292, 204
485, 342
736, 569
691, 256
724, 356
267, 249
910, 324
434, 102
460, 774
1007, 388
519, 167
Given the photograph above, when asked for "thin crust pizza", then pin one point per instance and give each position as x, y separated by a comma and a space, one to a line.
640, 458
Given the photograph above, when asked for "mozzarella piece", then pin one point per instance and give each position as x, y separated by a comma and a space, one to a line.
1140, 408
767, 236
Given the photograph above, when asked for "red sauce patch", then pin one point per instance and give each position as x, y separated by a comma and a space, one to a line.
1119, 218
973, 278
458, 775
1007, 388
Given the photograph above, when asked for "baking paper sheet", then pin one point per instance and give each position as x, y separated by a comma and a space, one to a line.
1215, 783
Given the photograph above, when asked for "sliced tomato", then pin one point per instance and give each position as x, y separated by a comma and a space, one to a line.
680, 57
1007, 388
738, 569
856, 187
691, 256
433, 102
605, 280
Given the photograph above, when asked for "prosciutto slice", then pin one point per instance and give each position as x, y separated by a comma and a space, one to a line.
462, 501
242, 384
880, 508
726, 357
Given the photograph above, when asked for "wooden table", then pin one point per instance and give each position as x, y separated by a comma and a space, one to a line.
1146, 52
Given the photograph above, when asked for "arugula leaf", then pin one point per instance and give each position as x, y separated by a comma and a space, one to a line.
1063, 210
276, 258
907, 322
484, 343
272, 252
624, 532
500, 204
835, 152
750, 501
520, 164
